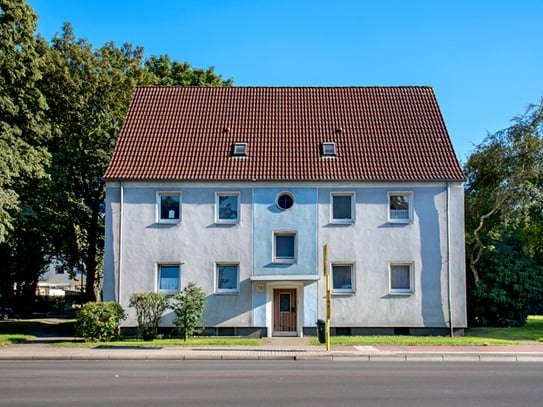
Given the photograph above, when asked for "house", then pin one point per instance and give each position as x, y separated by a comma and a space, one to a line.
57, 281
237, 189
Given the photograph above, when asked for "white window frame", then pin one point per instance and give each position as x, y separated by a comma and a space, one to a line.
288, 193
402, 291
285, 260
353, 274
218, 195
159, 194
340, 220
158, 274
409, 218
219, 290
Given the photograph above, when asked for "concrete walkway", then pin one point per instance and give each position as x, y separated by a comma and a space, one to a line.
281, 349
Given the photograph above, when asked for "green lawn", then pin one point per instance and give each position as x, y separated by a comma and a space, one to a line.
533, 331
16, 331
138, 343
8, 339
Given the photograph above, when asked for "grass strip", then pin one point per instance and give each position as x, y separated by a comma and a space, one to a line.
9, 339
138, 343
414, 340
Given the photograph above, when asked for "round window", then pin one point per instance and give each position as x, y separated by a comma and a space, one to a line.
285, 200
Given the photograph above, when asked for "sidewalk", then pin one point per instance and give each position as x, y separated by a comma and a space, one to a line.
42, 350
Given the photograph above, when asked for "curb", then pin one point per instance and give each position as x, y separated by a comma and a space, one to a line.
341, 357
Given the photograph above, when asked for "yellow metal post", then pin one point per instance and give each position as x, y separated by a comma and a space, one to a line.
328, 297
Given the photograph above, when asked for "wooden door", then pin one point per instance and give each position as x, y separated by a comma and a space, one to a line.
284, 311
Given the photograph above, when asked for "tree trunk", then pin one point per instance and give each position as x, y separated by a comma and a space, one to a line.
478, 247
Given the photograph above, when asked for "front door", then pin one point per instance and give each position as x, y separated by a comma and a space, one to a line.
284, 311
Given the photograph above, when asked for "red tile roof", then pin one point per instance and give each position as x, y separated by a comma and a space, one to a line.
187, 133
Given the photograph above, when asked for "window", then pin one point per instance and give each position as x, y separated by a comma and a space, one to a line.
227, 278
328, 149
285, 302
342, 278
342, 207
169, 207
401, 278
59, 270
227, 209
284, 250
168, 278
239, 150
400, 207
285, 201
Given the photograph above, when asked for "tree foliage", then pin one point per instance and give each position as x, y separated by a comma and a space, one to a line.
504, 203
189, 307
23, 128
62, 105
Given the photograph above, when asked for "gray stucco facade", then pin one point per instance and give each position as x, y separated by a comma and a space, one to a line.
426, 249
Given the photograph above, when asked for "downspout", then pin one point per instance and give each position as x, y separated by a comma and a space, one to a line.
449, 279
120, 243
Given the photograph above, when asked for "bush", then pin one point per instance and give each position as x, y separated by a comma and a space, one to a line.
99, 321
189, 307
149, 309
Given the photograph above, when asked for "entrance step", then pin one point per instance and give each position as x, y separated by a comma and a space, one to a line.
285, 341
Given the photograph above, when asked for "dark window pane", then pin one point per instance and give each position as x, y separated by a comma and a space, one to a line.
228, 207
284, 302
285, 201
228, 278
284, 246
342, 277
341, 207
169, 207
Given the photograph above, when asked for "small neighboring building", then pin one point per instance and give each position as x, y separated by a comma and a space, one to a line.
57, 281
238, 189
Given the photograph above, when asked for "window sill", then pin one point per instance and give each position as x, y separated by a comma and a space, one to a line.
343, 293
284, 261
226, 292
401, 221
342, 222
168, 221
401, 293
227, 222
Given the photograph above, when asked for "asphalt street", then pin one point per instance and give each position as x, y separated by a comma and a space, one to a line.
266, 383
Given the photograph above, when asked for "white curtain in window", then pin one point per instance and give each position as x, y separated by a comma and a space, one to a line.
400, 278
169, 283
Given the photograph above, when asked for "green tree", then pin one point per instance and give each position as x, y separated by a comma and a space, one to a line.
23, 128
88, 91
149, 310
24, 133
504, 202
166, 72
189, 307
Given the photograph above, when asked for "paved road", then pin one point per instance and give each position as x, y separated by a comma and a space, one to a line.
268, 383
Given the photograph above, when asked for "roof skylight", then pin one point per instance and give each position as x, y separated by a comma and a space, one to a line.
239, 150
329, 149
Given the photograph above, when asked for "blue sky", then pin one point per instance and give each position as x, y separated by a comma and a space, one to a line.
483, 58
